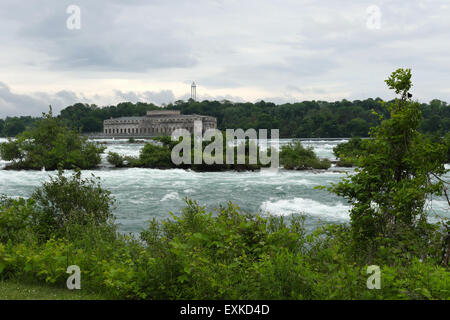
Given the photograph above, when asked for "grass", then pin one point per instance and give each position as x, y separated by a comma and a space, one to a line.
14, 290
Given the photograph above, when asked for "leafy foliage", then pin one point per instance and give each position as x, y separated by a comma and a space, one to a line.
89, 118
158, 155
446, 142
349, 152
295, 120
67, 199
115, 159
51, 145
397, 174
12, 126
226, 254
296, 157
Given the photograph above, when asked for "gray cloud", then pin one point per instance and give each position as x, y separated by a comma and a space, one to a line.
114, 36
244, 50
17, 104
14, 104
164, 96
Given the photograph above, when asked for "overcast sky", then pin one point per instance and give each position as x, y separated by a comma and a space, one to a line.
241, 50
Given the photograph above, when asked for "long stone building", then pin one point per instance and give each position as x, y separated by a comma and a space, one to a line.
155, 123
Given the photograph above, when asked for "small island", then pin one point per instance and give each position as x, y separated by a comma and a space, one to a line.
50, 144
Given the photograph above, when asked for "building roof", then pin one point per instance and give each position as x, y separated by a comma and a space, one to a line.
173, 116
127, 118
156, 113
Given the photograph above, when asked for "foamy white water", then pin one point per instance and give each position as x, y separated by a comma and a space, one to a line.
142, 194
333, 211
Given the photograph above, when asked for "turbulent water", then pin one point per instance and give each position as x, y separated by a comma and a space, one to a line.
142, 194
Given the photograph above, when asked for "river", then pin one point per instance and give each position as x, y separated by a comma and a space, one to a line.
142, 194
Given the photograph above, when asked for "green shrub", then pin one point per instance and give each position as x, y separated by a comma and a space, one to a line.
10, 150
51, 144
398, 170
159, 155
64, 199
349, 152
227, 254
296, 157
447, 144
345, 163
116, 159
155, 156
17, 219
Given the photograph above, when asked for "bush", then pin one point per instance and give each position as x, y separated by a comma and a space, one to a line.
398, 170
226, 254
64, 199
296, 157
345, 163
17, 219
115, 159
447, 144
155, 156
51, 145
159, 155
10, 150
349, 152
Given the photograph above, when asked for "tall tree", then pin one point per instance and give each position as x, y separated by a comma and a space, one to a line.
399, 172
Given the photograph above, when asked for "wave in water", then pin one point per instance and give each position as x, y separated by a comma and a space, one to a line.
336, 211
171, 196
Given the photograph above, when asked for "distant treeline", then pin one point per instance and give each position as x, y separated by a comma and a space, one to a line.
307, 119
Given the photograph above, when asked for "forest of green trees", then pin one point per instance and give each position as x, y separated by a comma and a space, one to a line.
307, 119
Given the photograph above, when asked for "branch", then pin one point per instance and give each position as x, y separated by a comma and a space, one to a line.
446, 195
439, 178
